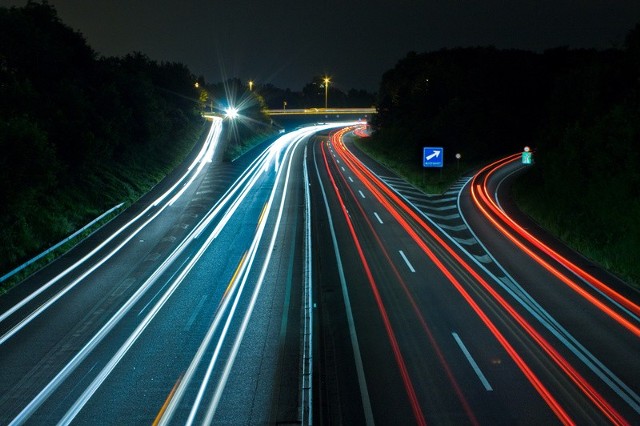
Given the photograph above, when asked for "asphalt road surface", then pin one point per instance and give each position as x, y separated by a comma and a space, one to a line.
450, 319
304, 283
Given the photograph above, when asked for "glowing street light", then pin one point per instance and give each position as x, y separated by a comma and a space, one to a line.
231, 113
326, 90
250, 85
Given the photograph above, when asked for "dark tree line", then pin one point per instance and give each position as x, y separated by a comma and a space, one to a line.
578, 109
312, 95
76, 130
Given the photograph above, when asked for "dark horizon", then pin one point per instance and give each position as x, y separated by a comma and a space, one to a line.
289, 43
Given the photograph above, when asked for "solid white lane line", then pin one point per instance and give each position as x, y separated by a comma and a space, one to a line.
306, 385
473, 363
355, 346
361, 194
407, 261
378, 217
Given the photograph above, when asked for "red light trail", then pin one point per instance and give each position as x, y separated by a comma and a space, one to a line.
483, 201
382, 193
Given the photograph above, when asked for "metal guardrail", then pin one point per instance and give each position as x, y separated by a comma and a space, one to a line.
50, 249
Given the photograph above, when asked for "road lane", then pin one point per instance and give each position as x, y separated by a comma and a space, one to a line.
415, 306
106, 350
419, 310
551, 373
593, 313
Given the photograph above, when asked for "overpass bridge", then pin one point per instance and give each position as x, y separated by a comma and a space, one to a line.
321, 111
305, 111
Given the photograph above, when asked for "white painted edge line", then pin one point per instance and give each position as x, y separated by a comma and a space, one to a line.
407, 261
306, 391
473, 363
355, 346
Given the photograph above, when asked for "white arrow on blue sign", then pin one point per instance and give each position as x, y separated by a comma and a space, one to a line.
432, 157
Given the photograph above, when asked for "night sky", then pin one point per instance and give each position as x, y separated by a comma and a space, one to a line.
287, 42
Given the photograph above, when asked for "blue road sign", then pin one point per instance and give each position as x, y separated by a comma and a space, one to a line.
432, 157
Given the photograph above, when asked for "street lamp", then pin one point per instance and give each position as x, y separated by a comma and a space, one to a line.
250, 85
231, 113
326, 91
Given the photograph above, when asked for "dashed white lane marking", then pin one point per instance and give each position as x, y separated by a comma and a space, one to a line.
473, 363
407, 261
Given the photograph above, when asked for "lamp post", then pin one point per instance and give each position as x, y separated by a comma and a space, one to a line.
326, 91
250, 85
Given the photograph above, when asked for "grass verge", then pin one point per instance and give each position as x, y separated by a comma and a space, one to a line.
617, 253
431, 181
61, 213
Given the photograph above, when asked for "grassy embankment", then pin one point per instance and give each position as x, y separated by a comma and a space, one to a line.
62, 212
600, 233
614, 245
431, 181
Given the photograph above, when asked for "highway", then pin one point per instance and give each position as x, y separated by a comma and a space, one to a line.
305, 283
186, 309
449, 320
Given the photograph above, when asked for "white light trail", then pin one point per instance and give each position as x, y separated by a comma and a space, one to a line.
210, 141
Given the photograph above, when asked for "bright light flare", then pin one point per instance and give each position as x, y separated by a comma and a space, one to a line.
231, 113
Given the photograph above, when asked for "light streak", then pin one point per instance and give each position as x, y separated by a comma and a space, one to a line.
554, 271
413, 399
580, 382
258, 286
156, 421
290, 141
62, 375
306, 385
488, 171
209, 141
353, 336
367, 178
